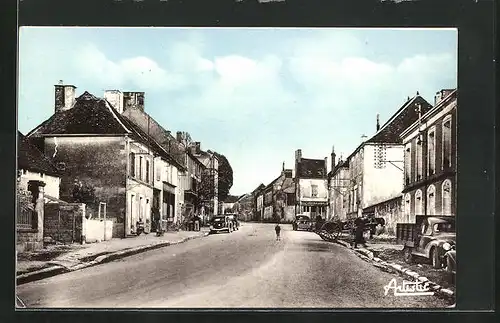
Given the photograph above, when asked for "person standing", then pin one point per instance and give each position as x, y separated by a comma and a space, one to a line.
358, 232
277, 228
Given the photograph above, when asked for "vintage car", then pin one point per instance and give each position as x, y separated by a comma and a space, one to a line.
451, 262
221, 223
234, 218
302, 222
431, 237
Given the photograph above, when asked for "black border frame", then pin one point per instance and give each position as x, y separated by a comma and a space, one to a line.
476, 96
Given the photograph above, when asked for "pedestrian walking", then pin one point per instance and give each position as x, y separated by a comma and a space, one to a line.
277, 228
358, 232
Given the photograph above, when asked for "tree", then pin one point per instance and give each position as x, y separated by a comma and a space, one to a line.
225, 176
83, 193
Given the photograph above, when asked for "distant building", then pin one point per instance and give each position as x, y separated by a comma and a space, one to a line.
311, 186
228, 204
338, 188
244, 207
258, 195
430, 176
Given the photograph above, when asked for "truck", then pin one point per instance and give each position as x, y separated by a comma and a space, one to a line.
430, 238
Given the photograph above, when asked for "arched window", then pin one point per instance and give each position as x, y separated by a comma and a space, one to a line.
418, 202
446, 197
431, 200
431, 151
446, 142
407, 206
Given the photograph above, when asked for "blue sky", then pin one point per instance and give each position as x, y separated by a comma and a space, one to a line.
255, 95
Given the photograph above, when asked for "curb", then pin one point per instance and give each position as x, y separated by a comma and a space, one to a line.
389, 267
57, 270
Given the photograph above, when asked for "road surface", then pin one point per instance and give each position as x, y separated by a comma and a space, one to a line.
245, 269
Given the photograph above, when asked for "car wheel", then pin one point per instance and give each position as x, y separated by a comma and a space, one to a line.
436, 262
408, 256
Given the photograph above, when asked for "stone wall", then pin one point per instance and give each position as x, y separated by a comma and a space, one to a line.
27, 240
392, 213
63, 222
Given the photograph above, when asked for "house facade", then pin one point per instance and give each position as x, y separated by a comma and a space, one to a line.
430, 168
93, 143
338, 189
258, 196
372, 176
311, 186
244, 207
37, 179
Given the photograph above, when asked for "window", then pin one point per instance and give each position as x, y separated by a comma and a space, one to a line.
418, 158
446, 143
132, 164
140, 169
446, 196
407, 204
407, 160
147, 171
158, 173
314, 190
431, 200
431, 152
418, 202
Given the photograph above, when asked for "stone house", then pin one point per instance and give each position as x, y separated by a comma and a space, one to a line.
93, 143
180, 184
338, 184
209, 178
375, 174
244, 207
430, 155
37, 179
228, 204
258, 196
311, 186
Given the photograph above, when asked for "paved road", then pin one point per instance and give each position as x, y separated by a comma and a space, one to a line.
247, 268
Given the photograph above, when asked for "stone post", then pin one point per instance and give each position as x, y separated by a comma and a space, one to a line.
37, 188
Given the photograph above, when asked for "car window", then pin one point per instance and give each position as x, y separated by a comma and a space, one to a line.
444, 227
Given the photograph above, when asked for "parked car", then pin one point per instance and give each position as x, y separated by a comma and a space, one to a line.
431, 237
234, 218
302, 222
221, 223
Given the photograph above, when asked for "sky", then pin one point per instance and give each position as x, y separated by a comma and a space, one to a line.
255, 95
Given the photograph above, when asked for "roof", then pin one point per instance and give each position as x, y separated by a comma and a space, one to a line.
30, 158
231, 199
340, 164
96, 116
288, 185
402, 119
311, 168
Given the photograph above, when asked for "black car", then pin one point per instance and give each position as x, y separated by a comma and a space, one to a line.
221, 223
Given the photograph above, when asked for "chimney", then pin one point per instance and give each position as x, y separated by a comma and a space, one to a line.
115, 98
334, 157
298, 154
64, 97
440, 96
197, 145
283, 167
133, 100
378, 122
326, 165
179, 136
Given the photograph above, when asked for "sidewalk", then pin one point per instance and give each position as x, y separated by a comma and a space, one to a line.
55, 259
385, 254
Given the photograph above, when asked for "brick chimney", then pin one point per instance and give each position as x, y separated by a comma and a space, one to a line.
64, 96
115, 98
378, 122
298, 154
178, 136
197, 146
441, 95
326, 165
133, 100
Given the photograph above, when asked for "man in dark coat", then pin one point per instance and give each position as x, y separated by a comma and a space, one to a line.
358, 231
277, 228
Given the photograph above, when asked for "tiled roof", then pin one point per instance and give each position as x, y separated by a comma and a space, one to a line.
89, 115
402, 119
30, 158
95, 116
311, 168
231, 199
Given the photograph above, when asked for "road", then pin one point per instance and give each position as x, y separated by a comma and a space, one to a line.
245, 269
